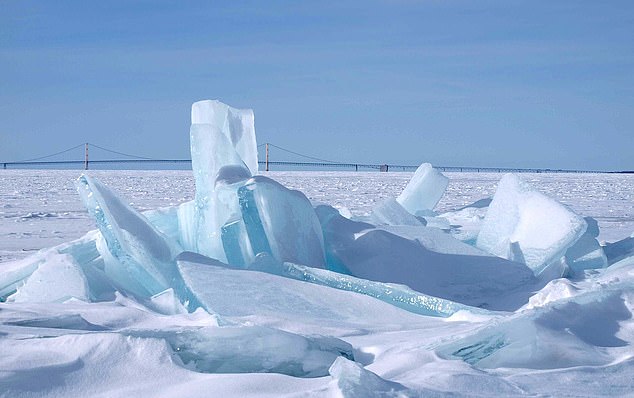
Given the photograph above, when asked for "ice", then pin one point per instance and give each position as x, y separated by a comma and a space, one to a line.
280, 222
138, 257
237, 125
257, 349
236, 217
14, 273
466, 222
390, 212
218, 170
619, 250
224, 153
353, 381
374, 254
293, 299
574, 331
424, 190
227, 294
526, 226
57, 279
76, 260
434, 239
587, 253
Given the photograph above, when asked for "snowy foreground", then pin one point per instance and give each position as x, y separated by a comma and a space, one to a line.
380, 285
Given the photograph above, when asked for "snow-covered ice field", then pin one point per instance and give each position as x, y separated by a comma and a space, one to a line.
41, 208
572, 338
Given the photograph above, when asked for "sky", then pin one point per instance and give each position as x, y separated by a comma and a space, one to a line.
528, 84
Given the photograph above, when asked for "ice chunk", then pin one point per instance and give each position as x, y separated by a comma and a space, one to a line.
354, 381
378, 255
257, 349
619, 250
280, 222
14, 273
434, 239
224, 154
526, 226
55, 280
397, 295
81, 251
424, 190
587, 253
390, 212
211, 213
186, 214
237, 125
557, 289
137, 256
165, 219
245, 293
437, 222
565, 333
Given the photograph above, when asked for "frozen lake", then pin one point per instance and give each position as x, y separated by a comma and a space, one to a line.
40, 208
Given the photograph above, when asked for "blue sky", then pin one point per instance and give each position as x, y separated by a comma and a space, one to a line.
475, 83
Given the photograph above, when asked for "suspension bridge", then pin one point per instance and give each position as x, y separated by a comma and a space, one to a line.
83, 156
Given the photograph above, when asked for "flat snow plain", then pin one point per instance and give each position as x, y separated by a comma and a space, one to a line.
119, 348
41, 208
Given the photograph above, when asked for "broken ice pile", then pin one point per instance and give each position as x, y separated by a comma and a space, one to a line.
247, 236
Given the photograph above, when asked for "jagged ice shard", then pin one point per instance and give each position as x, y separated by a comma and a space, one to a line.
138, 258
527, 226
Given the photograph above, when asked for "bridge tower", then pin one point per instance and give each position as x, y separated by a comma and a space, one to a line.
86, 157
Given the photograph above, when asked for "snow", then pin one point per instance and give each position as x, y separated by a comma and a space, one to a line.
246, 287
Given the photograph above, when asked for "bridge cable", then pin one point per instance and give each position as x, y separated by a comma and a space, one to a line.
120, 153
305, 156
51, 155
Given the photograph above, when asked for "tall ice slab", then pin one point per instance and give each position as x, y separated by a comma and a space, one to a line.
527, 226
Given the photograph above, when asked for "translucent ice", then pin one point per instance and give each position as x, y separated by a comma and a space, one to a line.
283, 292
138, 258
391, 212
224, 153
587, 253
237, 125
14, 273
526, 226
70, 266
256, 349
424, 190
280, 222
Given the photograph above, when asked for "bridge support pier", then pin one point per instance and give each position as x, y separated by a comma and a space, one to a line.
86, 158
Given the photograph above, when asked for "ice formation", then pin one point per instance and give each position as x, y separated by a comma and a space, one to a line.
526, 226
251, 277
424, 190
587, 253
